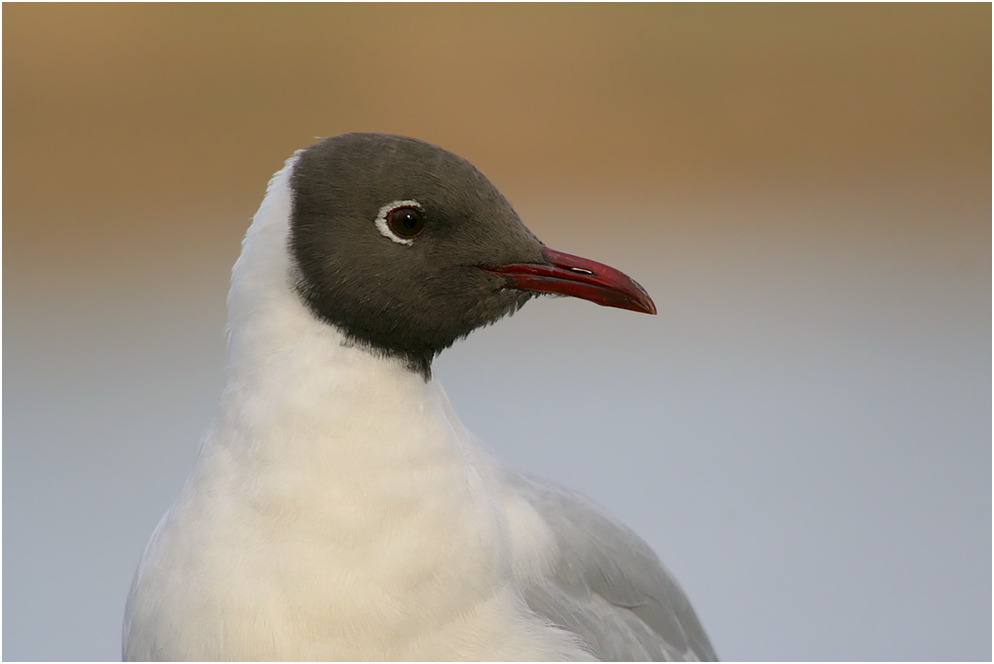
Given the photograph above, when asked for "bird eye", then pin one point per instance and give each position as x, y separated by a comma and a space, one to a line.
407, 222
401, 221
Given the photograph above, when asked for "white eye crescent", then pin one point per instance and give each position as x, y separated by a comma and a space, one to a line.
401, 221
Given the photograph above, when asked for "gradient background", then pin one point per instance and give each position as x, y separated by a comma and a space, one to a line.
803, 433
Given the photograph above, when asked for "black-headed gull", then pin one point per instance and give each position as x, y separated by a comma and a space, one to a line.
339, 510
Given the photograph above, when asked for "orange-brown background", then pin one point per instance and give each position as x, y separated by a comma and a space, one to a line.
113, 109
805, 189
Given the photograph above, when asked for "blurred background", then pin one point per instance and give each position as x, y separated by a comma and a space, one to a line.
803, 433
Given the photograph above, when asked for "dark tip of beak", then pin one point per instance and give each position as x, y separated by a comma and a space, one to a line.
566, 274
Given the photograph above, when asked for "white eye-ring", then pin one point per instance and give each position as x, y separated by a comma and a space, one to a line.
401, 221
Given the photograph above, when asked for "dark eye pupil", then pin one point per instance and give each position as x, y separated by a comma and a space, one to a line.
407, 222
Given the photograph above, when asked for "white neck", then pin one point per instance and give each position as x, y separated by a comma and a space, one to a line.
294, 380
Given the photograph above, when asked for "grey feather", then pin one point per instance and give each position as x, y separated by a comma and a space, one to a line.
607, 585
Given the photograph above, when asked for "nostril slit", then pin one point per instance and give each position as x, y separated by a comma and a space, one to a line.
579, 270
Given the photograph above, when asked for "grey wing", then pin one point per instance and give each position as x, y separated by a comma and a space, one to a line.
607, 585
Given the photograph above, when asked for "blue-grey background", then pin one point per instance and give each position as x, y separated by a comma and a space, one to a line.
803, 433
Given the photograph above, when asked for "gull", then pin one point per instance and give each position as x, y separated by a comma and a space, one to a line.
338, 508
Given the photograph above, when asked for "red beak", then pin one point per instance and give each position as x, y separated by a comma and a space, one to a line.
578, 277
